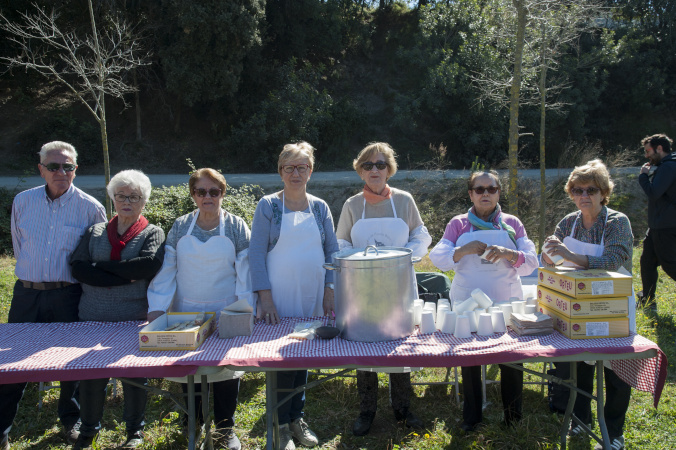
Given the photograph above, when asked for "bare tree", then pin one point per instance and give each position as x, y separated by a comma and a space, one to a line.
90, 66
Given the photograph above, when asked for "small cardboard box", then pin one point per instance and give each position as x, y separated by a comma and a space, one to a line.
583, 307
585, 283
236, 320
154, 337
589, 327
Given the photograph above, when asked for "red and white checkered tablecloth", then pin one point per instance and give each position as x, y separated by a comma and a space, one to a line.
68, 351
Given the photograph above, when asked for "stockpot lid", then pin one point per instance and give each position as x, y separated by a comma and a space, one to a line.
372, 256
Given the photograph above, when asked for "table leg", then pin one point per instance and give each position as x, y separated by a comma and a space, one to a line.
572, 396
272, 438
204, 390
600, 404
191, 412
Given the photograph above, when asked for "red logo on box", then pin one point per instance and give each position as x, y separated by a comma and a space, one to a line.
144, 338
541, 276
577, 307
581, 286
576, 327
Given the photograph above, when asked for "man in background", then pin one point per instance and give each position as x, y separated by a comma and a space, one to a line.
47, 224
659, 245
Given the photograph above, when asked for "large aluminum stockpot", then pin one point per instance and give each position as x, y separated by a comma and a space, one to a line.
374, 292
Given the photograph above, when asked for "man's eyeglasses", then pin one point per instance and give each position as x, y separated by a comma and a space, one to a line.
481, 189
577, 192
132, 198
368, 166
213, 192
301, 168
54, 167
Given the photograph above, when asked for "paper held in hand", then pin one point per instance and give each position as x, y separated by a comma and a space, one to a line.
236, 320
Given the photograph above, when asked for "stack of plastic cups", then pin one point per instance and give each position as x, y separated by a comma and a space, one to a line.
473, 324
485, 326
507, 309
431, 306
519, 307
417, 311
427, 322
441, 308
462, 330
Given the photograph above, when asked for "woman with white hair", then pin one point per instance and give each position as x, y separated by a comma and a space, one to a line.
115, 262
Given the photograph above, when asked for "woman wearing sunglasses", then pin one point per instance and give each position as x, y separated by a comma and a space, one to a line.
490, 250
382, 216
595, 237
206, 268
291, 238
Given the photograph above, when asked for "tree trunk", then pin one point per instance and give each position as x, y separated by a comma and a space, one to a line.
515, 92
137, 97
543, 181
106, 161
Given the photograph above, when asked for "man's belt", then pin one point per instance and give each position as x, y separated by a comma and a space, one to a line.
46, 286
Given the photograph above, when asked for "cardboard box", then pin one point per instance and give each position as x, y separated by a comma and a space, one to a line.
585, 283
583, 307
154, 337
589, 327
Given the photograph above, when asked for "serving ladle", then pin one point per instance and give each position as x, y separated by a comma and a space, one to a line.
328, 332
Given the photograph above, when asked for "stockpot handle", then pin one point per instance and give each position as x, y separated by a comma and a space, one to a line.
366, 250
331, 267
415, 259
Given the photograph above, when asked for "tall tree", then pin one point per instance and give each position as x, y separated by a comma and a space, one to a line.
91, 66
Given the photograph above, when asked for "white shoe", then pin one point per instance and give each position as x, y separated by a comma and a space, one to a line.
286, 438
303, 433
577, 430
615, 444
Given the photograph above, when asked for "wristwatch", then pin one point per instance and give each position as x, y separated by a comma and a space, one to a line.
330, 286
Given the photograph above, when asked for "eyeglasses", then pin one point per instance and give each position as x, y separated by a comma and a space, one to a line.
481, 189
577, 192
132, 198
213, 192
54, 167
368, 166
301, 168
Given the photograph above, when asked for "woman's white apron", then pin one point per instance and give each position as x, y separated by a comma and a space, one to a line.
295, 266
498, 280
383, 232
206, 280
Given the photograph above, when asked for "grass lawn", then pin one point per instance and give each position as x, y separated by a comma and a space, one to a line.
332, 407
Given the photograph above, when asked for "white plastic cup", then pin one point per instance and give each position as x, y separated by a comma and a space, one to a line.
498, 320
556, 259
493, 308
473, 324
443, 301
507, 309
481, 298
514, 299
450, 318
427, 322
431, 306
485, 326
417, 313
532, 301
530, 309
519, 307
440, 313
467, 305
462, 328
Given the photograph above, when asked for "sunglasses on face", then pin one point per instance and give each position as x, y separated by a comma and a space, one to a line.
201, 192
577, 192
132, 198
54, 167
368, 166
481, 189
301, 168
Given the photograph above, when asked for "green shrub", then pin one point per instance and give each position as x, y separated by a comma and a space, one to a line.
168, 203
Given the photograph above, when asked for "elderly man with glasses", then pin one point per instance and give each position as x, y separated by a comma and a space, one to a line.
47, 224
